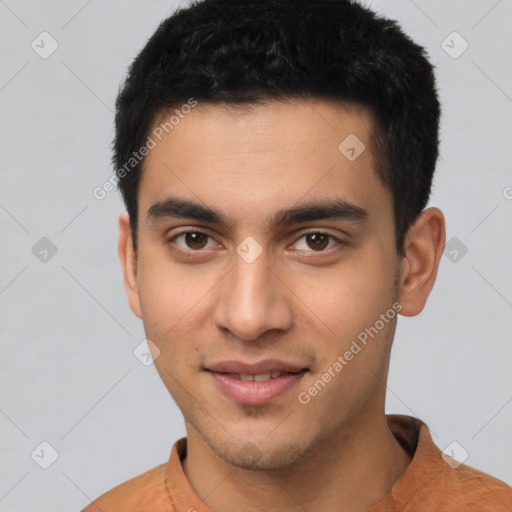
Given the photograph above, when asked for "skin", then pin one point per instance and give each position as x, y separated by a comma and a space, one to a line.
295, 302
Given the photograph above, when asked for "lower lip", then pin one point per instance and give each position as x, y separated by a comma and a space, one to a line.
250, 392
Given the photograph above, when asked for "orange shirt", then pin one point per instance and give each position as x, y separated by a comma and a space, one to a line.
429, 484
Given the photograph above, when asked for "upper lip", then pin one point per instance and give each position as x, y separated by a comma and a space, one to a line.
266, 366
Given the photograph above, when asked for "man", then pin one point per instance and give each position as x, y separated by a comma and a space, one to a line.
275, 158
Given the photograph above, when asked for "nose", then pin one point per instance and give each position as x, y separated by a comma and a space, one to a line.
252, 300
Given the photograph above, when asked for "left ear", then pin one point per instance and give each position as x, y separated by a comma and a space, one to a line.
423, 248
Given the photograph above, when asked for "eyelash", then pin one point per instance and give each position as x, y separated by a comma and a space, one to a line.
171, 240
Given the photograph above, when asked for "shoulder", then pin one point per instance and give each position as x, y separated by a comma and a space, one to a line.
455, 486
435, 481
475, 489
146, 492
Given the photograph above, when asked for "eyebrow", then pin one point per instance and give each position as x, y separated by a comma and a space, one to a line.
333, 209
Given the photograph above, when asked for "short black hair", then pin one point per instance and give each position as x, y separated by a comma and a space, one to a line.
251, 51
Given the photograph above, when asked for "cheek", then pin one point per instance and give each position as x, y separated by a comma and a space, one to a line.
170, 295
176, 306
348, 299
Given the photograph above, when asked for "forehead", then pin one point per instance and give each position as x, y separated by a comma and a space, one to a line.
251, 159
273, 125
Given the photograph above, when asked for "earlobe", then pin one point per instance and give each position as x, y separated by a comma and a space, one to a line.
423, 249
128, 263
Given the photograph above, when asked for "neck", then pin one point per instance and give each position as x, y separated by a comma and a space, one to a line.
353, 470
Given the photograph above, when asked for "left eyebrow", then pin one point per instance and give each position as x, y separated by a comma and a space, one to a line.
335, 209
332, 209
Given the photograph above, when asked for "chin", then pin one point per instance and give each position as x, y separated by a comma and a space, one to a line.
260, 456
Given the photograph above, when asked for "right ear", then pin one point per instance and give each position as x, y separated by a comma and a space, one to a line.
128, 263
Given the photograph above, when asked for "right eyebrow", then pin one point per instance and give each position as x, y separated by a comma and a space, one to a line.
184, 208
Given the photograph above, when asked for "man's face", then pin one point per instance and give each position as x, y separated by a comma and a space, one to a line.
286, 293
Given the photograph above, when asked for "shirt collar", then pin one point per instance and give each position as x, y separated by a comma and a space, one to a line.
411, 433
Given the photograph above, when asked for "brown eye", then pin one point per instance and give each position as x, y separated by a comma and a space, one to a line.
192, 241
317, 241
195, 240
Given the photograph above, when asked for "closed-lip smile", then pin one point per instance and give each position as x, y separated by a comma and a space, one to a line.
256, 383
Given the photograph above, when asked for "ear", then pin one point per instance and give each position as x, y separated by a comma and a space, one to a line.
423, 248
128, 263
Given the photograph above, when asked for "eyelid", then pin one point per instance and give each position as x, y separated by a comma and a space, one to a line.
170, 239
320, 231
297, 236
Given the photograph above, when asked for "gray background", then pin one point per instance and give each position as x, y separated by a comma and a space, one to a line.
68, 373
